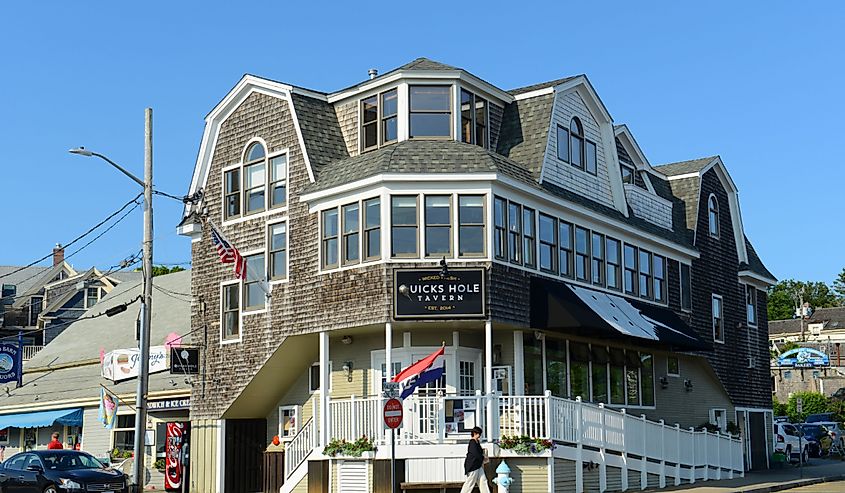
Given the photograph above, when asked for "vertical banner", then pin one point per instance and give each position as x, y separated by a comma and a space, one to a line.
10, 362
174, 462
20, 359
108, 408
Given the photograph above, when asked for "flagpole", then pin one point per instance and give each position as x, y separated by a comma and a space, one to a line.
263, 283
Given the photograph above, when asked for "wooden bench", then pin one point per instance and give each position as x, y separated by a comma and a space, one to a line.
442, 487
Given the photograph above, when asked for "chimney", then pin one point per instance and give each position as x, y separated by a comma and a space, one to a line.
373, 73
58, 254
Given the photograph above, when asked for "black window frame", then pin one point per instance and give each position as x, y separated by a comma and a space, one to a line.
529, 237
369, 231
547, 244
500, 229
412, 112
394, 226
597, 259
463, 224
583, 257
686, 286
566, 249
616, 267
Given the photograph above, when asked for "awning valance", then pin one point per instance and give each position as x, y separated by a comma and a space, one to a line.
574, 309
38, 419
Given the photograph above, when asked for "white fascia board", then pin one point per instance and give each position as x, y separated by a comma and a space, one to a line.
631, 144
749, 277
733, 199
585, 88
491, 91
485, 87
694, 174
189, 229
550, 203
533, 94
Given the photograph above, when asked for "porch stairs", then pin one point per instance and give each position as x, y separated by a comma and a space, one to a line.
296, 455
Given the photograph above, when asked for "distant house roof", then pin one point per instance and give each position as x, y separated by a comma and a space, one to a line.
22, 277
833, 318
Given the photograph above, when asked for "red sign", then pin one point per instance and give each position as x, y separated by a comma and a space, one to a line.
174, 460
393, 413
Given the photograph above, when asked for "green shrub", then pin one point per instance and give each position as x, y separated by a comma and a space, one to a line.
351, 449
814, 403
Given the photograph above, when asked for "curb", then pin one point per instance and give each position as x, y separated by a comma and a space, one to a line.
793, 484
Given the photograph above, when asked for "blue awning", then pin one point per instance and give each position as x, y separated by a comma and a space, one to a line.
68, 417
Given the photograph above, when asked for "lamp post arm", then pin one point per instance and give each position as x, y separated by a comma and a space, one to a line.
119, 168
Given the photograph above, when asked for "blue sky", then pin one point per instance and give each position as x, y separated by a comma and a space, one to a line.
757, 83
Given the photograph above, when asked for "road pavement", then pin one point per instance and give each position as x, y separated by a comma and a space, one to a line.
833, 487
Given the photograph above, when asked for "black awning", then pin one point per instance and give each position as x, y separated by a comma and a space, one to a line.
572, 309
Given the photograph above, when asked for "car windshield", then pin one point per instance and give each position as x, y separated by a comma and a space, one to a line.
70, 461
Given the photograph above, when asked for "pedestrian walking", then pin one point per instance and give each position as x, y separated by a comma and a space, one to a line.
474, 464
55, 444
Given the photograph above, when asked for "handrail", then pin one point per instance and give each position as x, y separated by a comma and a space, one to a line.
298, 449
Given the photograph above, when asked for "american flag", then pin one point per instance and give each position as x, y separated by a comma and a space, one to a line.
228, 253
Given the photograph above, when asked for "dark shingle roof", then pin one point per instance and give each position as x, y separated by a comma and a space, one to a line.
22, 278
833, 318
320, 131
542, 85
754, 263
423, 63
686, 190
524, 132
685, 167
680, 221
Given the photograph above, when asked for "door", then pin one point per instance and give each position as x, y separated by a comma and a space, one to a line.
246, 440
9, 475
757, 437
28, 479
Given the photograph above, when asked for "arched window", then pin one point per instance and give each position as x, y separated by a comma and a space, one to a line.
255, 178
576, 143
713, 208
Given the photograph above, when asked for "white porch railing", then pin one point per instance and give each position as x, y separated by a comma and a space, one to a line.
30, 351
297, 450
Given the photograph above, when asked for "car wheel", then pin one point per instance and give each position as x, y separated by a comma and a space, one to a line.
788, 453
51, 489
805, 456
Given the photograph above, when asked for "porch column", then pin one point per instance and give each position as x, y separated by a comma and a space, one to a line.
518, 378
388, 351
488, 377
324, 389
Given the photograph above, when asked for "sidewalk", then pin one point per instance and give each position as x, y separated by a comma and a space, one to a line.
817, 471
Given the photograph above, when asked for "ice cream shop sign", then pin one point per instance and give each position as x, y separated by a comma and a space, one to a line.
456, 293
122, 364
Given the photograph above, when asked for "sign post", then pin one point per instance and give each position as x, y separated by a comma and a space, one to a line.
393, 419
799, 408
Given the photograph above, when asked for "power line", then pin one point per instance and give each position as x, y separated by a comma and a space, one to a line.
83, 235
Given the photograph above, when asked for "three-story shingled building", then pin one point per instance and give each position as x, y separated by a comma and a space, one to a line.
582, 294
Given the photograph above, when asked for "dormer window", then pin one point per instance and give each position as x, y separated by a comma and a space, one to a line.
255, 176
627, 173
575, 149
255, 185
576, 143
473, 119
378, 120
713, 208
430, 112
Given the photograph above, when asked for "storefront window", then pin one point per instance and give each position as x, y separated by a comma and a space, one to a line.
599, 373
579, 367
123, 435
647, 378
632, 377
533, 356
556, 366
617, 376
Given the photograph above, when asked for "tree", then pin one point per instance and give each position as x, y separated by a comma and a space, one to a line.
160, 270
839, 286
783, 295
813, 403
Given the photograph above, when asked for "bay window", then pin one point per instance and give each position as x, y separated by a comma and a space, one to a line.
389, 112
582, 254
613, 271
598, 259
473, 119
430, 111
471, 233
515, 232
548, 243
254, 282
438, 225
565, 259
500, 237
372, 229
278, 247
404, 226
329, 238
529, 241
351, 230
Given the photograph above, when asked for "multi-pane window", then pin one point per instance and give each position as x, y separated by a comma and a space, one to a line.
579, 370
471, 235
232, 199
430, 111
582, 254
576, 143
659, 269
713, 208
473, 119
562, 143
255, 177
123, 434
598, 259
548, 243
369, 123
351, 231
565, 253
515, 232
647, 379
92, 296
404, 225
599, 373
529, 238
751, 304
500, 237
632, 378
288, 422
278, 180
630, 275
590, 157
614, 267
329, 238
617, 376
231, 311
686, 287
438, 225
646, 274
389, 112
466, 378
278, 251
555, 366
718, 319
673, 366
254, 289
35, 306
372, 229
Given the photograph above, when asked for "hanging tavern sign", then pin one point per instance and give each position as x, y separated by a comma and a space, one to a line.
803, 358
460, 293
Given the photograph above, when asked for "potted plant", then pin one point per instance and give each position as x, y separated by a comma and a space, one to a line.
159, 464
357, 448
525, 445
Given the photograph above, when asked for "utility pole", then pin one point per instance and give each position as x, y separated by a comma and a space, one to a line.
146, 307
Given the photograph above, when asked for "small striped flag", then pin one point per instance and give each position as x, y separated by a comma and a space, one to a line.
228, 253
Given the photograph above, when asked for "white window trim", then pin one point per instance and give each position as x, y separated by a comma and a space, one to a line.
721, 317
756, 315
267, 299
718, 217
239, 339
670, 374
268, 211
296, 416
85, 296
712, 417
267, 226
115, 430
681, 286
316, 391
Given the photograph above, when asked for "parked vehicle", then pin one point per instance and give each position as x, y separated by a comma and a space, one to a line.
51, 471
781, 419
818, 437
837, 432
839, 395
786, 438
819, 418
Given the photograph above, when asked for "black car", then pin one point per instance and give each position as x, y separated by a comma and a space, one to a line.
54, 471
818, 438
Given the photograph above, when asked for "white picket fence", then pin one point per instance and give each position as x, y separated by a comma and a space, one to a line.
572, 424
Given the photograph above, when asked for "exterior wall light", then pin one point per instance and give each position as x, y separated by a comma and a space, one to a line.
688, 385
346, 340
347, 368
664, 382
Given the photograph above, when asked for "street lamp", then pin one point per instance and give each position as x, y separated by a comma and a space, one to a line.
147, 297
